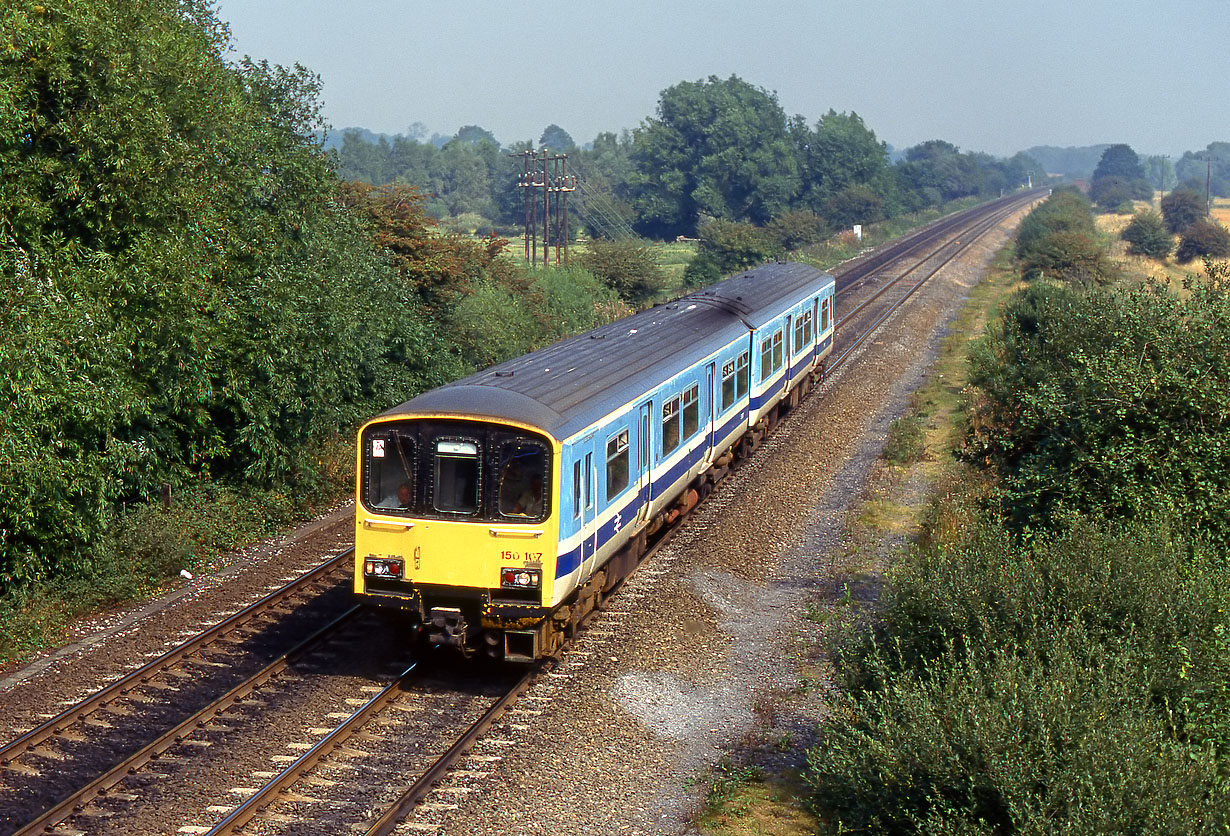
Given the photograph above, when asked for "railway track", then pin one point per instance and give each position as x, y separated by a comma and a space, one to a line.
38, 770
396, 746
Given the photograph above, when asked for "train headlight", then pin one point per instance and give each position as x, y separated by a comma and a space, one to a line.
382, 567
512, 577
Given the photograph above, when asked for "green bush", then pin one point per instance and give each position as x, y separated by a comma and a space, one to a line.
906, 442
1013, 740
1182, 208
1109, 193
490, 325
1118, 583
798, 228
854, 204
701, 271
732, 246
1109, 403
1073, 257
569, 300
628, 266
1066, 210
1018, 689
1058, 239
1147, 235
1205, 237
143, 546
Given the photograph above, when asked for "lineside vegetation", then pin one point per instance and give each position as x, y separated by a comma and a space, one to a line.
1053, 655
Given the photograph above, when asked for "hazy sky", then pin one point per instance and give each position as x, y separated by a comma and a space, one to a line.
994, 75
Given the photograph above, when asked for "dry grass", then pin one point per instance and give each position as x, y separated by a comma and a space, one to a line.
1221, 210
759, 809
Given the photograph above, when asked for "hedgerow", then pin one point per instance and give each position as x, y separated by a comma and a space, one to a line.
1064, 686
1108, 402
1058, 660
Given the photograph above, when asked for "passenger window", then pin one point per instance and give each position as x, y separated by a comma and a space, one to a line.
456, 474
728, 385
766, 358
670, 425
777, 351
808, 337
616, 464
523, 478
390, 471
743, 374
798, 334
691, 410
824, 315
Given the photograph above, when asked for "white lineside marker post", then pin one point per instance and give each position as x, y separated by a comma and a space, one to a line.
858, 231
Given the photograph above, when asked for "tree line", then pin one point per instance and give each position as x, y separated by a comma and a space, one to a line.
716, 149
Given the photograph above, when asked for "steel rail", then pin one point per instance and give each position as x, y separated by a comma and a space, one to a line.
251, 808
924, 236
979, 230
142, 675
424, 784
101, 785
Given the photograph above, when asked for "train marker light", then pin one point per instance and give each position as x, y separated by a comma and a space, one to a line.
513, 578
381, 567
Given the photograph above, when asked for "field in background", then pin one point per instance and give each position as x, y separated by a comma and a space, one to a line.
1141, 268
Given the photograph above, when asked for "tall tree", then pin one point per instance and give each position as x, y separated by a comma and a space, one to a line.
717, 147
1210, 167
172, 215
840, 152
1121, 161
1159, 172
556, 139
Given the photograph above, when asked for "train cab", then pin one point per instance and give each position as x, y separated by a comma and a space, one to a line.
457, 523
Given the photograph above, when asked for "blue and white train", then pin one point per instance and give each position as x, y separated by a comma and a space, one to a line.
499, 508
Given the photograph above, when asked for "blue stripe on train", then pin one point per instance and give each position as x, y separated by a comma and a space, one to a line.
569, 561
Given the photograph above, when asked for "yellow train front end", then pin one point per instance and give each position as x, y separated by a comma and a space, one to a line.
456, 523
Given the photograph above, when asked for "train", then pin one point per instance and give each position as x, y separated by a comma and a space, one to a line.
498, 510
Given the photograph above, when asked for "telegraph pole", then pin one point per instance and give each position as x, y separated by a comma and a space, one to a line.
547, 173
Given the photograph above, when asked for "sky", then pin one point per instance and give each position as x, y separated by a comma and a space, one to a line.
997, 76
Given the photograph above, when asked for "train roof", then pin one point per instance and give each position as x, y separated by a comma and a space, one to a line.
572, 384
761, 294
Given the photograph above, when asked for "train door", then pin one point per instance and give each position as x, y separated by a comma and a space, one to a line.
710, 395
589, 527
815, 322
788, 339
644, 490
